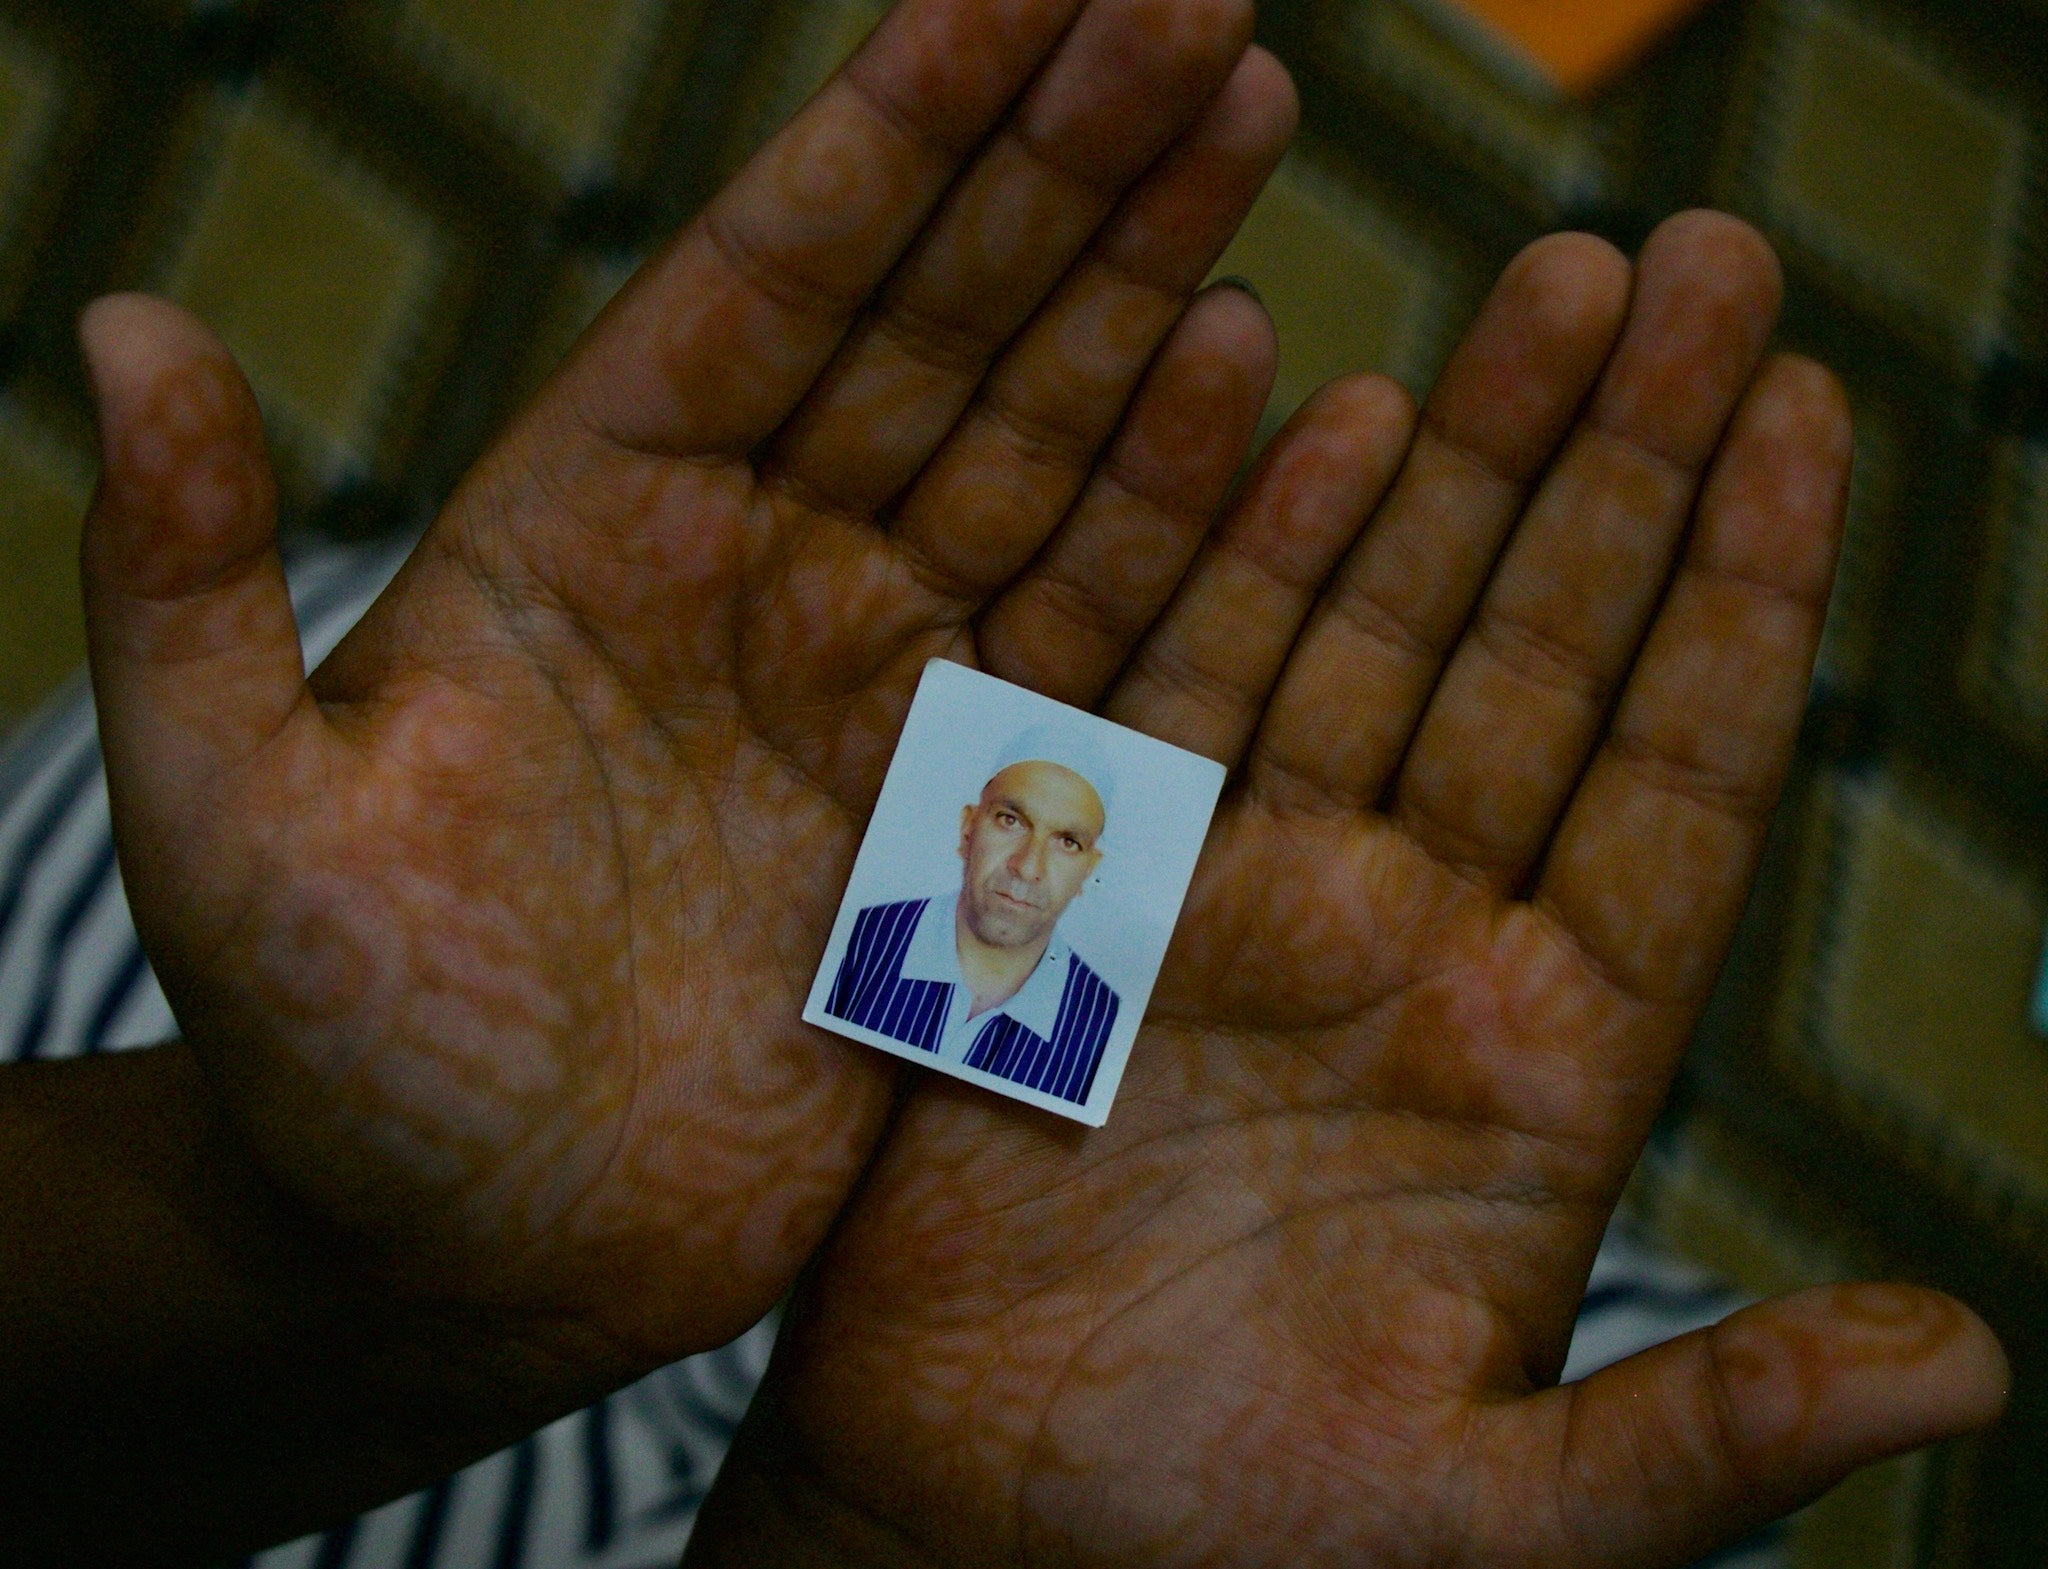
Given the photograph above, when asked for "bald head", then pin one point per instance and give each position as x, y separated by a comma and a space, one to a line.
1028, 847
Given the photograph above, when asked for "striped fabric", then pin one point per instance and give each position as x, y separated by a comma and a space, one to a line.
872, 992
870, 989
613, 1487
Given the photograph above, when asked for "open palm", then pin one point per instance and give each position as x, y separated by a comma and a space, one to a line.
1304, 1300
491, 937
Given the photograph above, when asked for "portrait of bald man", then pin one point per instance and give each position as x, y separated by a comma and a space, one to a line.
980, 976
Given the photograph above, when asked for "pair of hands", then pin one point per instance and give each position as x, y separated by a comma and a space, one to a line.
491, 938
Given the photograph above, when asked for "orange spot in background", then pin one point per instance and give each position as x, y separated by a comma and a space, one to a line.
1579, 44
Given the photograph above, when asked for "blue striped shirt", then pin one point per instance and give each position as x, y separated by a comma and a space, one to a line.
901, 978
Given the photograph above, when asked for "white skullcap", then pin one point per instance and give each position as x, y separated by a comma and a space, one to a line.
1070, 747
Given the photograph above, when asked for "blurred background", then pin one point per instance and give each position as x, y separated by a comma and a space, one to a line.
398, 213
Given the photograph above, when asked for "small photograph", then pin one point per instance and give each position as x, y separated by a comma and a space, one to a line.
1015, 893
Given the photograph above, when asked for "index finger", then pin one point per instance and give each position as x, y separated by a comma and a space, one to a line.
711, 346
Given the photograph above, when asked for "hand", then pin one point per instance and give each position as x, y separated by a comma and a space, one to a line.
491, 938
1305, 1299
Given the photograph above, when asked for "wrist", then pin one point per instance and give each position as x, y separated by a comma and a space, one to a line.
770, 1505
190, 1368
319, 1235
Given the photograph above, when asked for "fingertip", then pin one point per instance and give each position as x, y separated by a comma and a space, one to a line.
1523, 369
158, 370
1320, 478
1811, 385
1573, 281
1844, 1376
1727, 252
1361, 423
1180, 52
1807, 402
1978, 1372
1233, 321
1591, 250
103, 323
1776, 499
186, 491
129, 340
1709, 226
1262, 92
112, 314
1238, 287
1371, 401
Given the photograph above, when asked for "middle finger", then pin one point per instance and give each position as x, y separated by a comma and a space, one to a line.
1129, 79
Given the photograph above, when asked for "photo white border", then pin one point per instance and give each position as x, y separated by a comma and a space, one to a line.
1002, 710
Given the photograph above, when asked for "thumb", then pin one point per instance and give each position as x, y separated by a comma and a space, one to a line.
194, 648
1701, 1441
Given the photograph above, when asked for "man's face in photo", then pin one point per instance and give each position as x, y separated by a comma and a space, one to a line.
1029, 846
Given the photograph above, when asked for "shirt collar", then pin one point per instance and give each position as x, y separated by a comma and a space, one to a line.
934, 955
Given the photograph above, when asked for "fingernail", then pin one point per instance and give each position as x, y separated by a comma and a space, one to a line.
1236, 281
